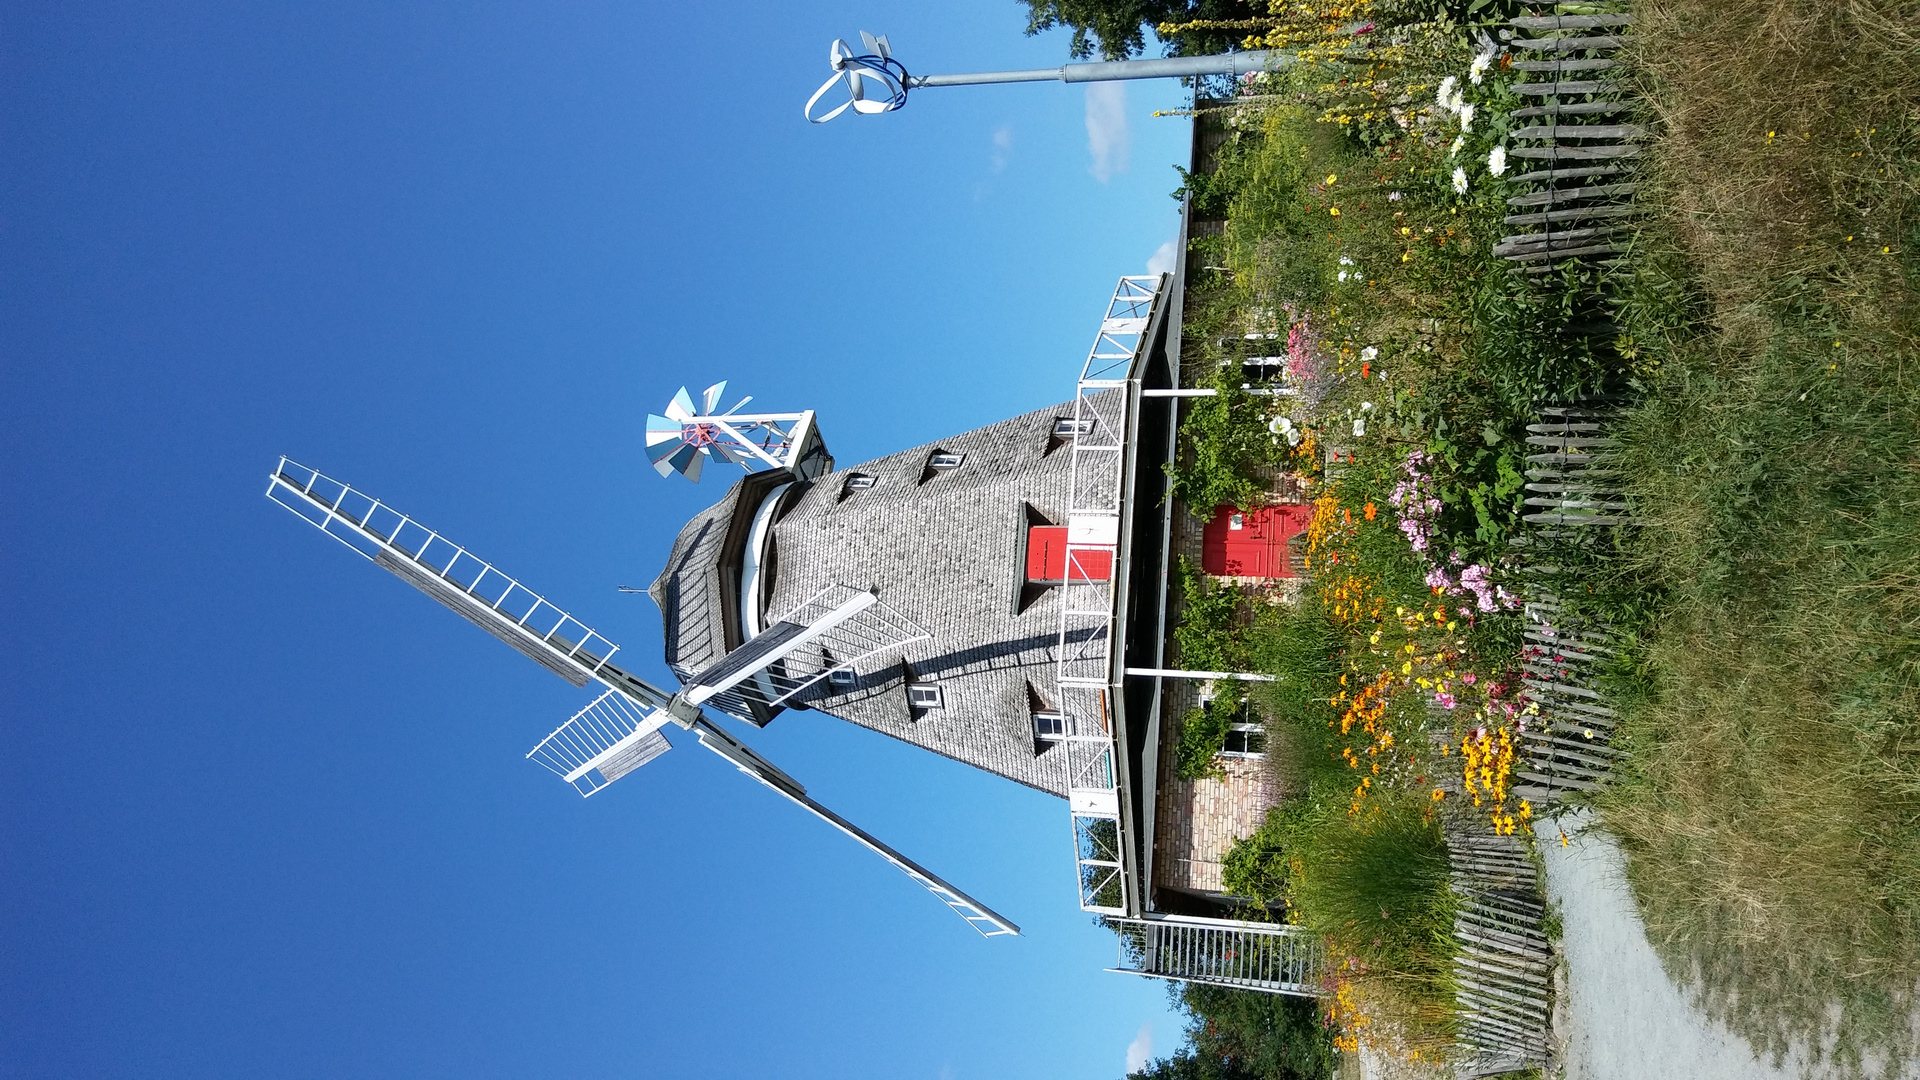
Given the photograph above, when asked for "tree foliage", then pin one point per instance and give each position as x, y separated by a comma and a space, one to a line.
1242, 1035
1117, 28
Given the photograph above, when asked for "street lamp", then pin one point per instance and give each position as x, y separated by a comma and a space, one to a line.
878, 83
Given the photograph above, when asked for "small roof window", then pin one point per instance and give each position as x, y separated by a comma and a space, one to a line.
1049, 726
925, 695
944, 460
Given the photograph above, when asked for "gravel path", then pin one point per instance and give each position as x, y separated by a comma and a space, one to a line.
1621, 1018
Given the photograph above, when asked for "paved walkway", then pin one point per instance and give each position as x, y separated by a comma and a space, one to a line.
1623, 1019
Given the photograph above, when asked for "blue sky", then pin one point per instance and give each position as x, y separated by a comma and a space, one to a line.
263, 809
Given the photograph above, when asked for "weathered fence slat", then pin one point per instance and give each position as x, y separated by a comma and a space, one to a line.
1558, 89
1571, 108
1569, 22
1573, 194
1565, 65
1559, 151
1571, 44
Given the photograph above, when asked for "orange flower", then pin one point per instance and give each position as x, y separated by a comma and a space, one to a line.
1371, 510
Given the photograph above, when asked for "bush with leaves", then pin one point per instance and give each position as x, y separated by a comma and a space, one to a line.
1243, 1035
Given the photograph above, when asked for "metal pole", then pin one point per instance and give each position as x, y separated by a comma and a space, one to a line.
875, 82
1174, 673
1176, 67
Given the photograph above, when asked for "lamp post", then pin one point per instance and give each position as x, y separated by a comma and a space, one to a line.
878, 83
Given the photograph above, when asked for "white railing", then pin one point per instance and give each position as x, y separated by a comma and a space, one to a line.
1084, 651
1271, 957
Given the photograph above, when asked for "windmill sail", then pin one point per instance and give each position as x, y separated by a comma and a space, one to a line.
621, 730
982, 918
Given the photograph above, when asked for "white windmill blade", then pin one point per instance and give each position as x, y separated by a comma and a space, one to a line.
772, 645
986, 921
883, 47
603, 742
872, 43
839, 627
711, 399
449, 573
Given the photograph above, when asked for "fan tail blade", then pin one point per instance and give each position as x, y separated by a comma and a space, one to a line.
681, 407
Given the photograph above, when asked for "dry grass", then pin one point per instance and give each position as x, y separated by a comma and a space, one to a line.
1772, 817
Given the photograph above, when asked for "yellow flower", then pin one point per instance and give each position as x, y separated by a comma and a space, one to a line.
1334, 210
1331, 177
1438, 794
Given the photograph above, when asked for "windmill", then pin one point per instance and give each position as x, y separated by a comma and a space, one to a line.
623, 728
686, 437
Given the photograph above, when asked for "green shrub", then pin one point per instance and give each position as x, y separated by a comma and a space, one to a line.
1243, 1035
1374, 884
1203, 732
1212, 635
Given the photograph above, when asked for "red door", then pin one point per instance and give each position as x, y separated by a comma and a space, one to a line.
1047, 557
1252, 543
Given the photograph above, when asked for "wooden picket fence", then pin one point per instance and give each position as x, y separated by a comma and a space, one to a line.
1580, 148
1503, 962
1582, 184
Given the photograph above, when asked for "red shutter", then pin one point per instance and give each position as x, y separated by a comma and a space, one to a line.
1047, 557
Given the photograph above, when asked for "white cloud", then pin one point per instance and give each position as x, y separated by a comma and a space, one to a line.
1108, 139
1164, 258
1140, 1050
1002, 147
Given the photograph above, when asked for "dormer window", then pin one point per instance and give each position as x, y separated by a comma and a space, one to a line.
940, 462
1066, 427
1049, 726
925, 696
842, 678
854, 482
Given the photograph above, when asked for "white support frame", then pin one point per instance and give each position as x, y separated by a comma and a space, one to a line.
768, 440
1084, 650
